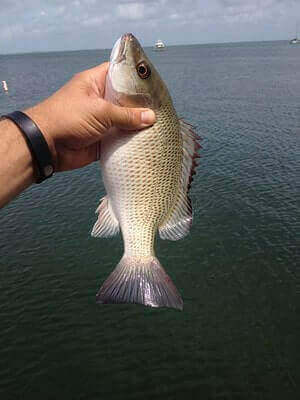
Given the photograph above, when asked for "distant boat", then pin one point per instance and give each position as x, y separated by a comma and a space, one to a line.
159, 45
296, 40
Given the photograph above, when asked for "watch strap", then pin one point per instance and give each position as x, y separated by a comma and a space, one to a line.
36, 143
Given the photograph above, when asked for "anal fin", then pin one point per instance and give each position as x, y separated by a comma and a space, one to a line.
179, 222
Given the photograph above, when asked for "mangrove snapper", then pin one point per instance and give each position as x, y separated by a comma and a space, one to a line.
147, 176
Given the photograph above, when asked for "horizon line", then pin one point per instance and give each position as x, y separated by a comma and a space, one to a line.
171, 45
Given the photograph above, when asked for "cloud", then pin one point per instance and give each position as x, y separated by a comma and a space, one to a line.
10, 31
130, 10
70, 24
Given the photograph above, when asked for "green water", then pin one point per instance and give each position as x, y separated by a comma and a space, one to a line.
237, 271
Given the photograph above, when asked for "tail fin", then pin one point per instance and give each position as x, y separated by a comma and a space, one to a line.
140, 280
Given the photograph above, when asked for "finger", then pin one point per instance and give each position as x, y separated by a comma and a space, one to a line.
98, 150
99, 69
129, 118
98, 74
73, 159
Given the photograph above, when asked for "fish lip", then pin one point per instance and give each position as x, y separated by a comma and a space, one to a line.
127, 37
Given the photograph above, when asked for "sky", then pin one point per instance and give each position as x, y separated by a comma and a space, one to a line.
50, 25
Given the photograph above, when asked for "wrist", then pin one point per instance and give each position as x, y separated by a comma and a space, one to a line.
41, 118
17, 170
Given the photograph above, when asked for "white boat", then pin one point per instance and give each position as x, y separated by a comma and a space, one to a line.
296, 40
159, 45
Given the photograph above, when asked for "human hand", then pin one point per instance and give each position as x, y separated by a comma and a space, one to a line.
75, 119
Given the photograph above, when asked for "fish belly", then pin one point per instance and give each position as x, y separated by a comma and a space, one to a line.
141, 173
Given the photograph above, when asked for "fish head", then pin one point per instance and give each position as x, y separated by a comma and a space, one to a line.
132, 80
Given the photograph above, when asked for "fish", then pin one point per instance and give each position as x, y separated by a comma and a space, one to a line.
147, 176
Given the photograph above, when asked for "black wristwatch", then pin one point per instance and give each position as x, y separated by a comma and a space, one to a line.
36, 142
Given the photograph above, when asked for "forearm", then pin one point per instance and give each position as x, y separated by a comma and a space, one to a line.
16, 164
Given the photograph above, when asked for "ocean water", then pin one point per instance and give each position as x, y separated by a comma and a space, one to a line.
238, 270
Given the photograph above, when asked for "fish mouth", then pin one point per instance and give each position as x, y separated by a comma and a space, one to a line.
118, 53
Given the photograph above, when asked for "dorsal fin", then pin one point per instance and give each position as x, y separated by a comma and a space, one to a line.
178, 222
107, 224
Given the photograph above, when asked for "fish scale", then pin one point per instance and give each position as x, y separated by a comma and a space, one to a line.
147, 176
141, 205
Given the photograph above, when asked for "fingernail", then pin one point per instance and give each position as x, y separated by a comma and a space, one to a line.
148, 117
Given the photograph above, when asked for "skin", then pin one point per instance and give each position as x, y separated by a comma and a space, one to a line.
73, 121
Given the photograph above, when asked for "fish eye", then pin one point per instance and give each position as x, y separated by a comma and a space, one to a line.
143, 70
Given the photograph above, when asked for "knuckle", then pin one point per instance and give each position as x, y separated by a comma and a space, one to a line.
106, 114
129, 116
106, 111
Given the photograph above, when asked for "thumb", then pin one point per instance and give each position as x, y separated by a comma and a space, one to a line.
129, 118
